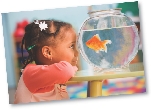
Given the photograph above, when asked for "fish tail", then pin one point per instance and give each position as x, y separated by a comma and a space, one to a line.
104, 44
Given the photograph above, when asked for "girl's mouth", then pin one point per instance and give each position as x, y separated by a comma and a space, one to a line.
74, 62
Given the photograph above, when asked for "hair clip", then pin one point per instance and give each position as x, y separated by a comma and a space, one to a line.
29, 48
42, 26
37, 22
21, 70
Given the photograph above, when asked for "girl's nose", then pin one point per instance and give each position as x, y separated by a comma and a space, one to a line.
76, 52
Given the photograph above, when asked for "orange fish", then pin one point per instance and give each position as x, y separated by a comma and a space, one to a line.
96, 44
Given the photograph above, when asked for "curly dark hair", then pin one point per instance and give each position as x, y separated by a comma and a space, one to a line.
36, 38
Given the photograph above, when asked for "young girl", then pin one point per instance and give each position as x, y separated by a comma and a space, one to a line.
51, 45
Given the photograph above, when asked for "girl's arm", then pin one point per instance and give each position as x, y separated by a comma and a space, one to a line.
41, 78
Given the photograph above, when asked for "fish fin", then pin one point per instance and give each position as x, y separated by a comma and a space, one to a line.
105, 48
97, 36
109, 42
101, 49
97, 51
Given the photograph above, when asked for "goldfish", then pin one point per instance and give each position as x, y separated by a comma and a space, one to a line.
95, 43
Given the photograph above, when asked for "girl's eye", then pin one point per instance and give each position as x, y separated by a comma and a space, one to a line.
72, 46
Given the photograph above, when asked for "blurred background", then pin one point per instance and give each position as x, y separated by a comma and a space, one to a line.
13, 31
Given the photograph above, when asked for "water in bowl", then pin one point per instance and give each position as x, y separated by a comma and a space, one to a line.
121, 48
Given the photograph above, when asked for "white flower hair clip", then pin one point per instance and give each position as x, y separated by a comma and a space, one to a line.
42, 26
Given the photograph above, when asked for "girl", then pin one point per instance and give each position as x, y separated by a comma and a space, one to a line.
51, 45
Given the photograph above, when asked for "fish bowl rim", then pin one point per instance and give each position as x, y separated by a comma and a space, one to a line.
115, 9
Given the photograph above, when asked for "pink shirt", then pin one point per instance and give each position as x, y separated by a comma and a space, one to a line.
42, 82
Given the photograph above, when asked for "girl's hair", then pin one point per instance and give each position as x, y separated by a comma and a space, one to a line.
35, 39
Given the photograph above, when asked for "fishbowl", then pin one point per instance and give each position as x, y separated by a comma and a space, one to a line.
108, 40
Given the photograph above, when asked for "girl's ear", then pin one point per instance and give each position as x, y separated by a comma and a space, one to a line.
47, 52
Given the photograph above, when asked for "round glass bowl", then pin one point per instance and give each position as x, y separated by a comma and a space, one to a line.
108, 40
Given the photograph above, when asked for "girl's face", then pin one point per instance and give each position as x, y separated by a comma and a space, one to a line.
65, 49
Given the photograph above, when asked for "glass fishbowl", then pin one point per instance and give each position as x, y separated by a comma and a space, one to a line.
108, 40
